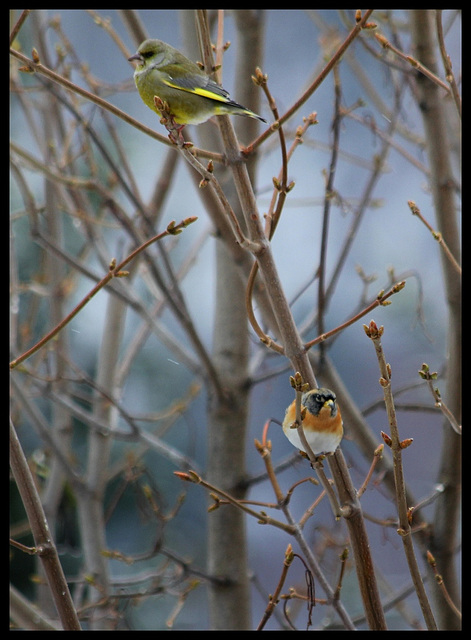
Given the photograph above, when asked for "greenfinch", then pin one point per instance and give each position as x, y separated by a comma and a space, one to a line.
191, 95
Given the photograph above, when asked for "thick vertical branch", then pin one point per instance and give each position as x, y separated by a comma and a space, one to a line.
298, 356
45, 546
229, 604
447, 508
91, 500
227, 544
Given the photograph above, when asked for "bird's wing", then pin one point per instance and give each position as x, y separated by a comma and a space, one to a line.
199, 84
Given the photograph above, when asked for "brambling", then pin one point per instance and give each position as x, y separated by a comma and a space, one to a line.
322, 424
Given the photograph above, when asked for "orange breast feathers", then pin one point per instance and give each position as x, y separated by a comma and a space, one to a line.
322, 424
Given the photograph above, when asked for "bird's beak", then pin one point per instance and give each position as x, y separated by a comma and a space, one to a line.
329, 404
137, 57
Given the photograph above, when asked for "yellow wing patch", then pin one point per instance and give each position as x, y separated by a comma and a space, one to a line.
198, 91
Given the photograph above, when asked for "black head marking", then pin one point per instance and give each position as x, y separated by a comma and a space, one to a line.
315, 399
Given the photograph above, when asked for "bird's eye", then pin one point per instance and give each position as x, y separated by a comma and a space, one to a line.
146, 54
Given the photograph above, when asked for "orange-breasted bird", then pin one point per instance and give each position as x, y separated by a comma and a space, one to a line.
322, 424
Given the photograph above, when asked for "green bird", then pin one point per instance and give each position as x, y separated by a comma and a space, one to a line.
191, 95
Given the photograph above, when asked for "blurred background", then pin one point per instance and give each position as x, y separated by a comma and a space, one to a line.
391, 245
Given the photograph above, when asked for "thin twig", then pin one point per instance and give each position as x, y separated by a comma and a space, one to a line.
329, 189
384, 42
262, 517
381, 300
333, 61
447, 61
273, 600
439, 580
429, 377
397, 446
18, 25
436, 234
116, 271
377, 456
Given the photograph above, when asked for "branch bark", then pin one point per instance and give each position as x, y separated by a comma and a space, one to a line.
298, 356
43, 540
447, 508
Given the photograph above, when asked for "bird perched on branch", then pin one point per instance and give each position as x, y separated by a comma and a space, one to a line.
192, 96
322, 422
